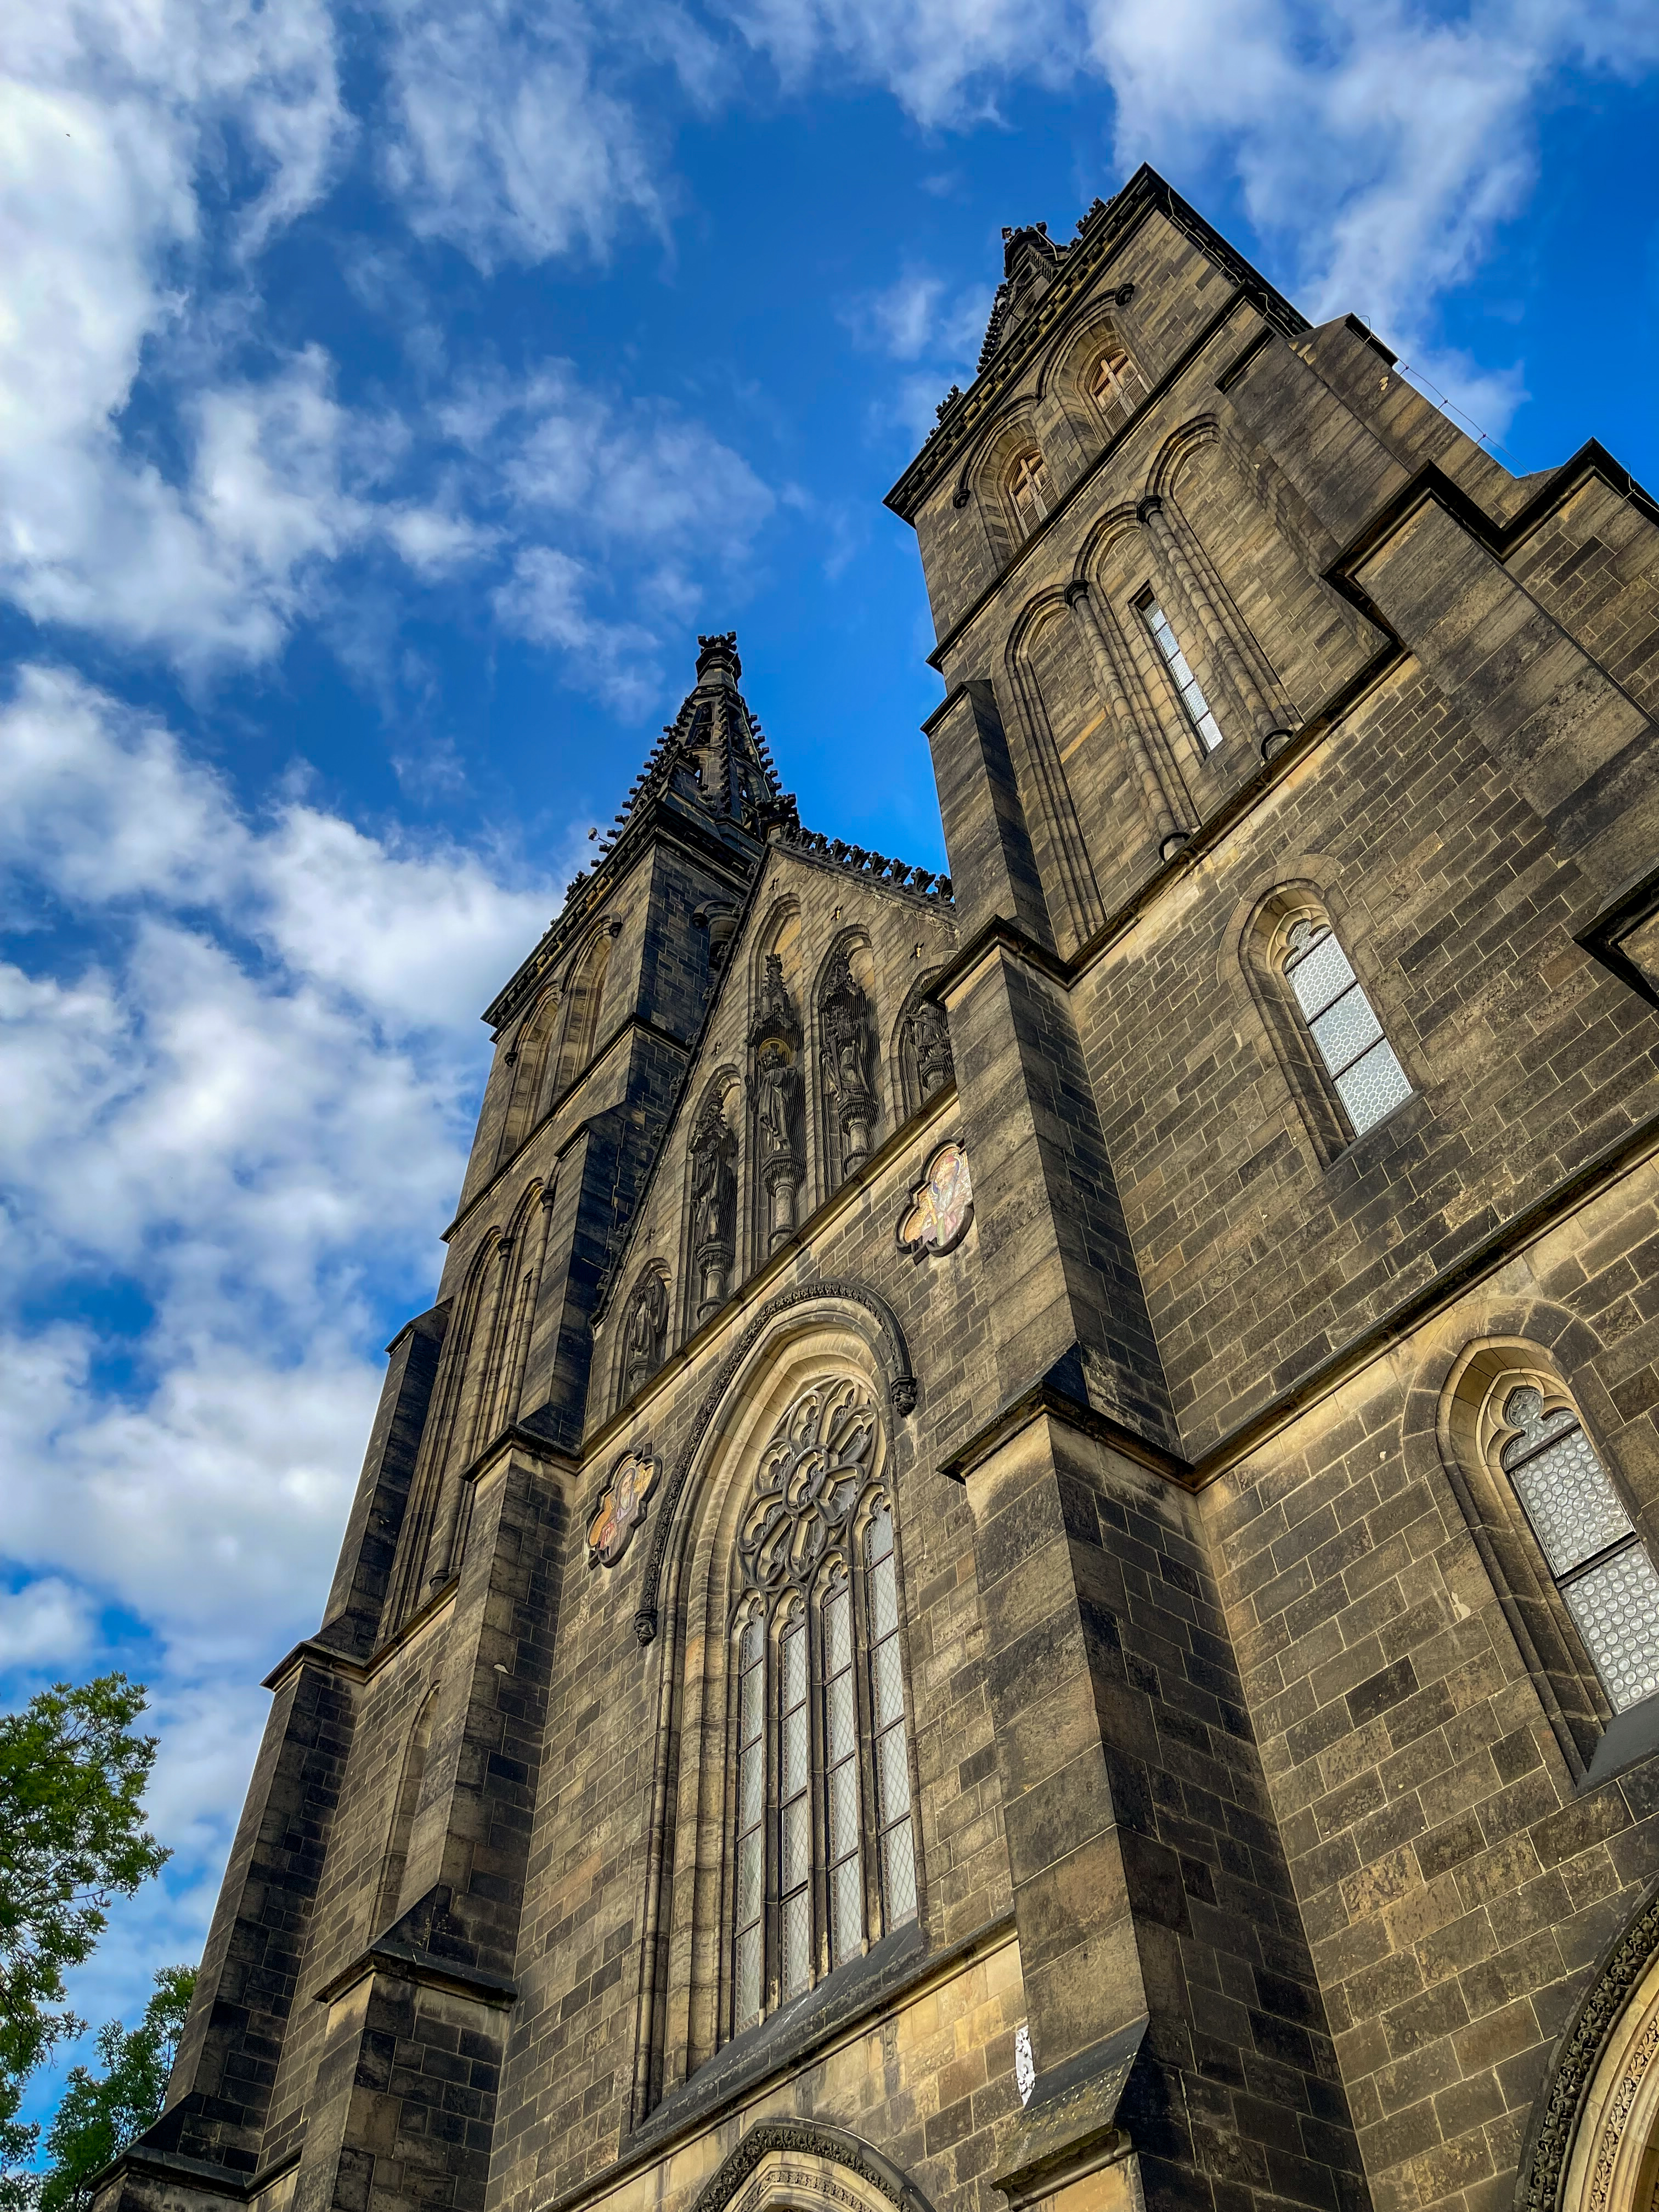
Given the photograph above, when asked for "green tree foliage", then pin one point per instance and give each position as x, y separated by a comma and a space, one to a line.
72, 1837
100, 2115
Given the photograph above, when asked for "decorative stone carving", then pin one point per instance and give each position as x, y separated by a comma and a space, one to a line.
771, 2140
775, 1042
941, 1207
622, 1507
931, 1040
1561, 2104
813, 1474
713, 1204
647, 1328
900, 1397
846, 1063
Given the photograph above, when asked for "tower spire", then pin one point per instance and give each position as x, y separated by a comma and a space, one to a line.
712, 757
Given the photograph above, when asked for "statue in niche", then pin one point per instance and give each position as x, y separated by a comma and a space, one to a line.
775, 1040
776, 1007
648, 1327
931, 1036
714, 1204
779, 1085
847, 1062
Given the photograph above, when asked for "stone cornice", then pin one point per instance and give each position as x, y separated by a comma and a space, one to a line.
407, 1962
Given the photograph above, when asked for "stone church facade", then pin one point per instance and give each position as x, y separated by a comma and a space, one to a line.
1016, 1568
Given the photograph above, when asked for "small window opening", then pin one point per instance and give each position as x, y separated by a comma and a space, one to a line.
1192, 694
1600, 1564
1358, 1058
1114, 387
1029, 490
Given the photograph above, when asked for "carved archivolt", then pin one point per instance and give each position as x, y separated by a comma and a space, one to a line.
795, 2158
1595, 2142
901, 1394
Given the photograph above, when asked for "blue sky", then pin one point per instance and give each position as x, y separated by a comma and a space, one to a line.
387, 396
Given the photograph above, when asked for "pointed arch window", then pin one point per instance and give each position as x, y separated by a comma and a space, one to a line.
1029, 491
1363, 1069
1114, 386
1191, 692
823, 1856
1595, 1558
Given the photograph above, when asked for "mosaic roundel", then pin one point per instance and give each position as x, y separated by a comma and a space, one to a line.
622, 1507
941, 1209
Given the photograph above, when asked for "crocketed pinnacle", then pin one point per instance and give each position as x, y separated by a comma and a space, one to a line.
712, 757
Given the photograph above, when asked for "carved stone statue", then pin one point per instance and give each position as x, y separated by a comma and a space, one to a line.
779, 1084
776, 1006
932, 1037
775, 1040
847, 1062
648, 1325
714, 1204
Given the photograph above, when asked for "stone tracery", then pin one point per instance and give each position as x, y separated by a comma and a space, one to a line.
811, 1474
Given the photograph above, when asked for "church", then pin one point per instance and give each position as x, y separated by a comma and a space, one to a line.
1016, 1569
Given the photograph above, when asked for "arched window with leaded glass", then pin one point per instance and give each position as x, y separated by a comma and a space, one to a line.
1031, 493
1597, 1560
824, 1859
1360, 1064
1114, 385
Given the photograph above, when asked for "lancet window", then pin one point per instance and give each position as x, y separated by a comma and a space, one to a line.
1186, 684
823, 1856
1113, 387
1029, 489
1362, 1065
1597, 1561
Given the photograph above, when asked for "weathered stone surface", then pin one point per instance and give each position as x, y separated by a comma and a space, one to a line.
1248, 1737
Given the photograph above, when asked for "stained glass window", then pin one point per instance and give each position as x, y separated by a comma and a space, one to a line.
824, 1856
1192, 693
795, 1796
1599, 1562
1360, 1061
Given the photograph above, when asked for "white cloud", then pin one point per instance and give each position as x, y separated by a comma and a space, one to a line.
116, 119
917, 319
506, 142
44, 1624
1377, 147
912, 317
594, 491
248, 1110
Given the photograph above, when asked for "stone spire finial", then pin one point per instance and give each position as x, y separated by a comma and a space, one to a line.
717, 659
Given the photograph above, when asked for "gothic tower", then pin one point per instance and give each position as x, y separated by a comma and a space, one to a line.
1015, 1572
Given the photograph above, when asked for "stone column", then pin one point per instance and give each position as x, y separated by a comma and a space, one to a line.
1200, 619
1167, 833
